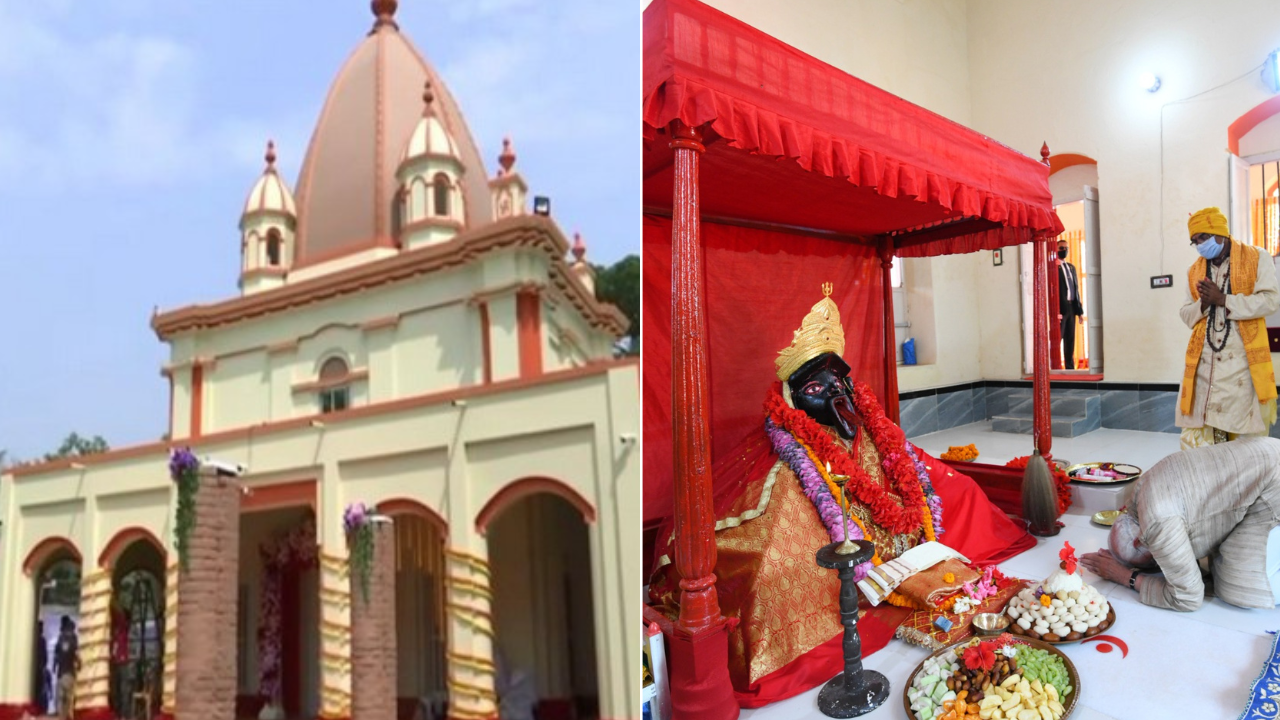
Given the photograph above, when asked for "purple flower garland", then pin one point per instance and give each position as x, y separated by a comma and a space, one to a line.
815, 488
931, 497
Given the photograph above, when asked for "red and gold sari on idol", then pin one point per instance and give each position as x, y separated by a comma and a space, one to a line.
788, 638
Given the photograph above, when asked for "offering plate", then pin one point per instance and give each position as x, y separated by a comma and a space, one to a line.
1068, 705
1129, 473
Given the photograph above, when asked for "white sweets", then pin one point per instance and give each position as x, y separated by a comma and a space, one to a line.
1075, 609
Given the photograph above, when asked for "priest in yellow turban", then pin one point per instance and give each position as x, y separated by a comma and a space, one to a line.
1228, 384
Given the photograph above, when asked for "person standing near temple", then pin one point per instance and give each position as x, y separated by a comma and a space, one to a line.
1069, 306
1228, 384
66, 663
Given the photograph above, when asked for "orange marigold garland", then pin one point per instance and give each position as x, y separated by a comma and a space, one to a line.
958, 453
888, 439
1061, 481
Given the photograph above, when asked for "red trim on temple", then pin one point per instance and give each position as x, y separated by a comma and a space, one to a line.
15, 711
97, 713
46, 549
521, 489
121, 542
529, 322
197, 400
1249, 121
486, 347
301, 493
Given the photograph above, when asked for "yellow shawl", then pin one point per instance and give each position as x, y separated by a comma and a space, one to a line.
1244, 273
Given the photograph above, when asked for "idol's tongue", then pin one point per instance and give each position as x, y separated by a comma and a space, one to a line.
846, 418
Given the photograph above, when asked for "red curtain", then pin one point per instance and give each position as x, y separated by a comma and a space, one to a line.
759, 285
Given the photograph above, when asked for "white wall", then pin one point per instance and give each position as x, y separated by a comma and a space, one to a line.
1067, 73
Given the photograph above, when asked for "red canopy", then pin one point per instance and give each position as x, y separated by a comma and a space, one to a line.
797, 142
801, 160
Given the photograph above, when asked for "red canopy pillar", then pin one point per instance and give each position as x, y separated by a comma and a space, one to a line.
1043, 424
699, 674
890, 335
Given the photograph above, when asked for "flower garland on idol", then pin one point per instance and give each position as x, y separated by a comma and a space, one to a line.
296, 549
184, 470
358, 522
808, 449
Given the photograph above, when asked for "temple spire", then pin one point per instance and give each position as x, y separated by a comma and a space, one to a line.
270, 157
428, 99
384, 12
508, 157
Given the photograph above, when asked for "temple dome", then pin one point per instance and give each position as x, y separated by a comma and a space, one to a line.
348, 187
270, 194
430, 138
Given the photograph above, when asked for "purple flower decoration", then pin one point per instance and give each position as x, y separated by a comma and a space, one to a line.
811, 482
356, 515
931, 498
181, 462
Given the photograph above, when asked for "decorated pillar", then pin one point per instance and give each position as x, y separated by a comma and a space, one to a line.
208, 542
335, 638
169, 682
373, 618
469, 600
93, 682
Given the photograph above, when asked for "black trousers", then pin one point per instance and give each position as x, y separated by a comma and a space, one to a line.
1069, 341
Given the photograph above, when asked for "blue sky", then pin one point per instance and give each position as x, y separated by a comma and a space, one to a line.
131, 131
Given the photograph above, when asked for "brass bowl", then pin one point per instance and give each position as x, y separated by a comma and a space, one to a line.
990, 624
1106, 518
1069, 704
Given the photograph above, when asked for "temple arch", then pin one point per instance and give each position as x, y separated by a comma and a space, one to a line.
55, 567
421, 626
545, 620
513, 492
123, 540
137, 563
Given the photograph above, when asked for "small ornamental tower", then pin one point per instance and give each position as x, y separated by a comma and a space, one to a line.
430, 200
580, 267
507, 187
267, 231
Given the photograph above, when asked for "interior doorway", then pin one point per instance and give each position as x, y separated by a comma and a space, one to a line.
57, 618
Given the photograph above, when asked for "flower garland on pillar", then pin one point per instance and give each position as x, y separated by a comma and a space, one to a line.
184, 470
357, 520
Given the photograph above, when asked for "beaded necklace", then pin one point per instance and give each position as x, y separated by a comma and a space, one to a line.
1212, 325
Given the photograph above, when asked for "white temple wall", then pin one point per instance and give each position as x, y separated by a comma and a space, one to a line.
571, 431
1068, 73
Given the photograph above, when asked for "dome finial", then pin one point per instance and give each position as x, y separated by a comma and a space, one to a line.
428, 98
579, 247
508, 157
270, 157
385, 12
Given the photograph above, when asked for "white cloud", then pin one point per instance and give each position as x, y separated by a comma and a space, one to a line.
119, 108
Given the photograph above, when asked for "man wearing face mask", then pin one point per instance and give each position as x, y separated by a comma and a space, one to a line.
829, 439
1069, 305
1228, 384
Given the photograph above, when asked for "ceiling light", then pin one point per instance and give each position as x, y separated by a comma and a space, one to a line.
1272, 68
1149, 81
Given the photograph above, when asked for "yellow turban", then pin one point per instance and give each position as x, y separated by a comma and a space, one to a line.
1209, 220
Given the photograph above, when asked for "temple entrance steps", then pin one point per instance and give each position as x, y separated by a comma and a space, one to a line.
1075, 412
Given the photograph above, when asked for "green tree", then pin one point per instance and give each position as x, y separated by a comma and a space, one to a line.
620, 284
75, 445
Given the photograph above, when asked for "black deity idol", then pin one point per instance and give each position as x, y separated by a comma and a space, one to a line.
821, 388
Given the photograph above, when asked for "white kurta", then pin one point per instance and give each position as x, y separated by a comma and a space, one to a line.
1224, 396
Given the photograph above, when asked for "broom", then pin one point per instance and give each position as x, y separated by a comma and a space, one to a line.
1039, 497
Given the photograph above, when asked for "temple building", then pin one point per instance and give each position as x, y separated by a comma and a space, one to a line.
407, 333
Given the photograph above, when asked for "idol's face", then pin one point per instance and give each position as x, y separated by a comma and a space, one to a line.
821, 389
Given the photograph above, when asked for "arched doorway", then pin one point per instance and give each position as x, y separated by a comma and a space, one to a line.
55, 567
543, 607
137, 624
421, 641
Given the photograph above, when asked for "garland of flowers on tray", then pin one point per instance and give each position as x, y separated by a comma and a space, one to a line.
357, 520
900, 469
184, 470
1061, 481
934, 502
297, 549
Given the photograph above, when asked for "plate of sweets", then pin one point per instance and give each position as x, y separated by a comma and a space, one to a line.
1063, 608
1008, 678
1103, 473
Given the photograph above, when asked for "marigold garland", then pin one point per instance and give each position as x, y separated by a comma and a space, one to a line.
1061, 481
888, 440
